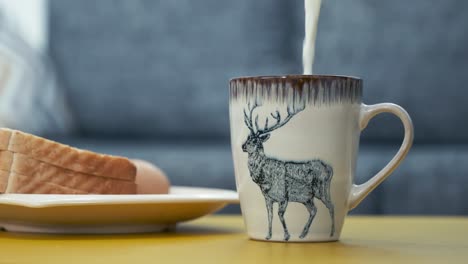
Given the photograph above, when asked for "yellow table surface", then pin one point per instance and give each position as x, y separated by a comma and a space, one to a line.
221, 239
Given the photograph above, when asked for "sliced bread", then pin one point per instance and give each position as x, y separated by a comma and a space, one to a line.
67, 157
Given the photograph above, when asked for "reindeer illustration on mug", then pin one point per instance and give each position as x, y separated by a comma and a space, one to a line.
286, 181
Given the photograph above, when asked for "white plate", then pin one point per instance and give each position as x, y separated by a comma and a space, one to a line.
46, 213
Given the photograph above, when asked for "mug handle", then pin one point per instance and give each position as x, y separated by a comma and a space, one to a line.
359, 192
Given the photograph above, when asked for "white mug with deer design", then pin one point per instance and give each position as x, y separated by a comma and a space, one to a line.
295, 141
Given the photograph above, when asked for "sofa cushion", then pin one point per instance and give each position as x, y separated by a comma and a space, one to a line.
157, 68
154, 68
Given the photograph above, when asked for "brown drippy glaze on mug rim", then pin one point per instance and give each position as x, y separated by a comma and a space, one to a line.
311, 88
298, 78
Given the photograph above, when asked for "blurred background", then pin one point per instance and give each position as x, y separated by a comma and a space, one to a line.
148, 79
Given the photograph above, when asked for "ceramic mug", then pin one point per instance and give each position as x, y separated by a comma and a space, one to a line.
294, 142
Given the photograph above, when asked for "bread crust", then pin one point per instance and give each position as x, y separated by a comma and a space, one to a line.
30, 164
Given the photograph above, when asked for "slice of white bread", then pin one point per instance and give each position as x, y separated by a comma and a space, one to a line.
31, 173
67, 157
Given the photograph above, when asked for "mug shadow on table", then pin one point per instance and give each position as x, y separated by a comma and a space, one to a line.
338, 249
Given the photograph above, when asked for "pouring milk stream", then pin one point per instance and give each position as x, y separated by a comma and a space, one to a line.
312, 11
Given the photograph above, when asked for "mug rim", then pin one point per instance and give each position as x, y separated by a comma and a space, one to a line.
295, 77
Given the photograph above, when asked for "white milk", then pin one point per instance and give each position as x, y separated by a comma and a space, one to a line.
312, 11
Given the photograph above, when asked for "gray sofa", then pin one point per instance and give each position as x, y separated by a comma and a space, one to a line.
148, 79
